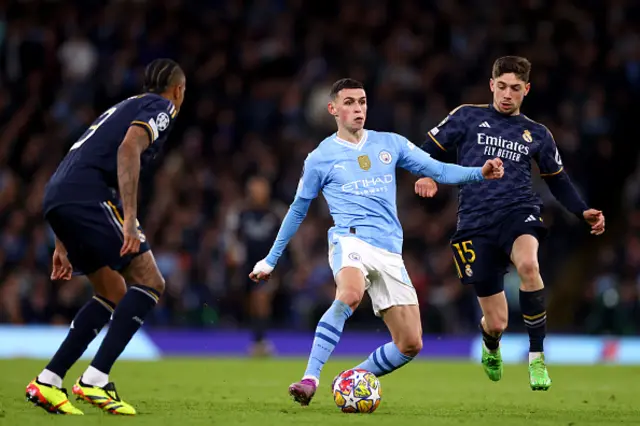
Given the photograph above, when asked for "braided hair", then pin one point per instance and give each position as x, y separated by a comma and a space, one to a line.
160, 74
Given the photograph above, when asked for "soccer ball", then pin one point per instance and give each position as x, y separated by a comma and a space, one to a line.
357, 391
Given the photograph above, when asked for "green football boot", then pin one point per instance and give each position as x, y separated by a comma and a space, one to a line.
538, 375
492, 363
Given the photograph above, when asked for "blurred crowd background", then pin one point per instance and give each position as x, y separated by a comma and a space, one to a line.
258, 77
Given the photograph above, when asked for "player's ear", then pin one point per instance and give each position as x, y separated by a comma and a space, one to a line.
527, 87
491, 84
332, 109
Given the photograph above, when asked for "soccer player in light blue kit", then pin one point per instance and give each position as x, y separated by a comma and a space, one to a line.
355, 170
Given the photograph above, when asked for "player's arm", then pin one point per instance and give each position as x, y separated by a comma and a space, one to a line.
308, 189
560, 185
420, 163
135, 142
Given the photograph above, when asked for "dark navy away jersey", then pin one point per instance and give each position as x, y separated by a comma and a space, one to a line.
477, 133
89, 171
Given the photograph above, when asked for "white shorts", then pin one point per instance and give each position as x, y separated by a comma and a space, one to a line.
386, 278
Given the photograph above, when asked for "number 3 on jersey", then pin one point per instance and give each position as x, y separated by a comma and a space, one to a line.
91, 130
466, 256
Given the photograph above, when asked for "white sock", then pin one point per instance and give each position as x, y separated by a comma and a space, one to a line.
95, 377
492, 351
534, 355
315, 379
50, 378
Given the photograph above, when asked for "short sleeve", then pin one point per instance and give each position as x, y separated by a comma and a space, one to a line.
548, 157
155, 117
446, 135
310, 182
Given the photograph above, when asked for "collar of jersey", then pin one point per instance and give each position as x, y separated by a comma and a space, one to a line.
357, 146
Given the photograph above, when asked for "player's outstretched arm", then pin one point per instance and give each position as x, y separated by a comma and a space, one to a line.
558, 181
419, 162
565, 192
135, 142
292, 220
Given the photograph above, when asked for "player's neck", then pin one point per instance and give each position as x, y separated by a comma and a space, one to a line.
348, 136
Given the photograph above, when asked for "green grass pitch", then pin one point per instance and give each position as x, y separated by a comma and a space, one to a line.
184, 392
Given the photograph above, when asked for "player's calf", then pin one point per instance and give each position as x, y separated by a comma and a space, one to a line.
350, 289
90, 319
406, 330
492, 325
127, 318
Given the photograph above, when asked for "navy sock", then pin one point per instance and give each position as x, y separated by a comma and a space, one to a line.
491, 342
84, 328
532, 305
127, 319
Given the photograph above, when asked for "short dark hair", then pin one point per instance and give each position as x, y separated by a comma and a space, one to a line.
344, 83
518, 65
160, 74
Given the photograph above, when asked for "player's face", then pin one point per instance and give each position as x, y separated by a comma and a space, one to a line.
508, 93
350, 108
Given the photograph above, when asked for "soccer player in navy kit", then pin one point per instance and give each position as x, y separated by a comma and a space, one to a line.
90, 202
500, 221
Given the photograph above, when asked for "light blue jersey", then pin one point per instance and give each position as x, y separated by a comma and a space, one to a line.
358, 182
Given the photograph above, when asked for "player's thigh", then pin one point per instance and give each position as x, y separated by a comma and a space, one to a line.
347, 261
524, 256
405, 326
108, 283
495, 311
143, 270
520, 237
89, 234
391, 285
480, 262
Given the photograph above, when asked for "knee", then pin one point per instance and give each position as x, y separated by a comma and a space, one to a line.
158, 284
529, 270
496, 322
410, 346
351, 298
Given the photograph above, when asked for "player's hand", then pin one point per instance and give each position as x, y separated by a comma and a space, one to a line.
595, 218
62, 268
493, 169
426, 187
261, 271
131, 242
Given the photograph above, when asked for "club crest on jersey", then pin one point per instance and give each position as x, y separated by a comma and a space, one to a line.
527, 136
385, 157
162, 121
364, 162
355, 256
468, 270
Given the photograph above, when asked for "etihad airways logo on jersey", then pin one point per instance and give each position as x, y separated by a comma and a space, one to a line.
369, 186
495, 146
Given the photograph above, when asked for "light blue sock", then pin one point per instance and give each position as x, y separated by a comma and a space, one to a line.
384, 360
328, 335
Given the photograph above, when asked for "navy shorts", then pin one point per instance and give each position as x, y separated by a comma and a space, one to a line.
482, 256
92, 235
